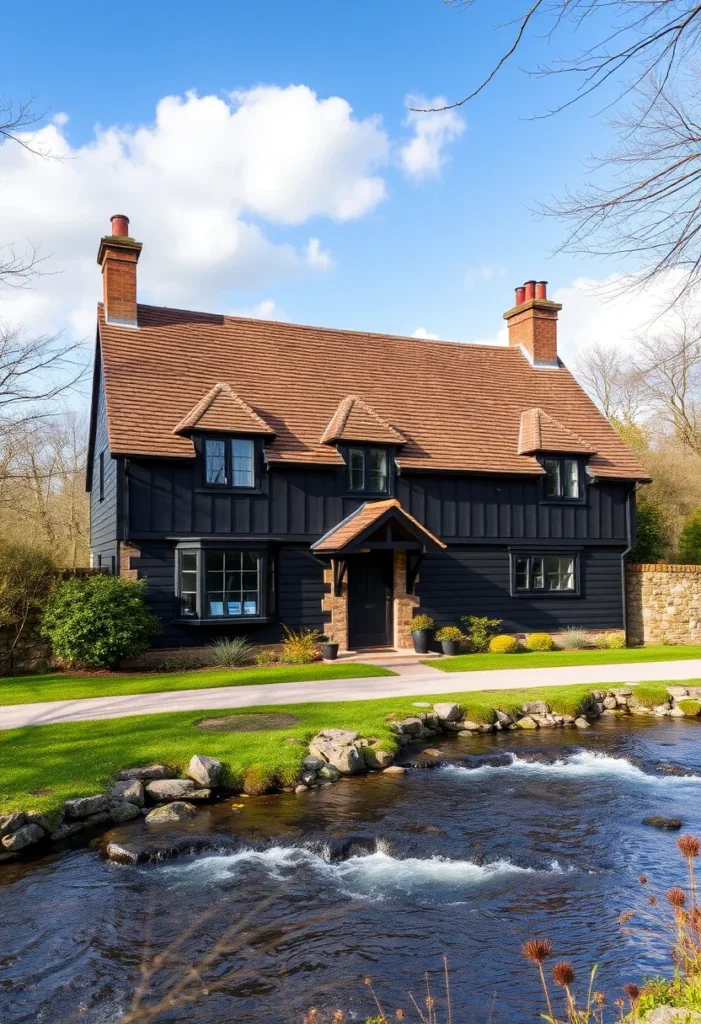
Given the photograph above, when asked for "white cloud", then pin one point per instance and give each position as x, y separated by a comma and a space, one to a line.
421, 332
264, 310
316, 257
423, 155
201, 186
488, 272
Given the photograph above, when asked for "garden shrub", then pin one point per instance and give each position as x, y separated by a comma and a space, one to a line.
300, 648
540, 642
450, 633
503, 644
231, 652
95, 621
572, 639
479, 630
651, 533
615, 641
690, 540
422, 624
258, 779
267, 657
27, 578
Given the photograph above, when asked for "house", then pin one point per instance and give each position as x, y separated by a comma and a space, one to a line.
259, 473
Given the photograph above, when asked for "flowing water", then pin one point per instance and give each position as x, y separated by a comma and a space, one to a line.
508, 837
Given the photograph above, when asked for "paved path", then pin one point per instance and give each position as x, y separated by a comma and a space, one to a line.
420, 680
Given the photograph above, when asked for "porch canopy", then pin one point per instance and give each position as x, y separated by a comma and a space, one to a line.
377, 525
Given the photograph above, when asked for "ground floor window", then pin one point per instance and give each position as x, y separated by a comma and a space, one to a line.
219, 584
542, 574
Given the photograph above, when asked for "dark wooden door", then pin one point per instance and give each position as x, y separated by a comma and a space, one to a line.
370, 591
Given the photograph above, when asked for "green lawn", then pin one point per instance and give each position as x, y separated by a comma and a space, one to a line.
63, 686
563, 659
54, 762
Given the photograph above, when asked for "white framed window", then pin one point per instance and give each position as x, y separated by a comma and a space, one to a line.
545, 574
215, 583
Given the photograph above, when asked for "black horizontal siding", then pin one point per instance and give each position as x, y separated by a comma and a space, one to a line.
103, 514
470, 581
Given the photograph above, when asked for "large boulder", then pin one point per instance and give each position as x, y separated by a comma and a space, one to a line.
672, 1015
581, 723
122, 810
179, 810
376, 757
205, 770
169, 789
24, 836
131, 790
86, 806
148, 773
667, 824
536, 707
468, 726
527, 723
66, 830
336, 747
448, 712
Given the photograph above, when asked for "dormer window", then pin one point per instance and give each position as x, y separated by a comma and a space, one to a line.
230, 463
368, 470
562, 479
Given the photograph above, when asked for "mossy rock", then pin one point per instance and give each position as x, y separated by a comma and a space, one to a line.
690, 707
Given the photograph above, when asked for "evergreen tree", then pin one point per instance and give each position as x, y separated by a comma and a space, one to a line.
690, 540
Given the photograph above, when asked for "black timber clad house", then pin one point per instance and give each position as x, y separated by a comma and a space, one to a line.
433, 477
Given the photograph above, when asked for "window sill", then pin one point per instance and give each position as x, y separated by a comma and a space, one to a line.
225, 489
563, 501
540, 595
222, 620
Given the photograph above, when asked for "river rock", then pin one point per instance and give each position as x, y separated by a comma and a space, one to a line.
676, 713
67, 830
131, 790
668, 824
336, 748
469, 726
394, 769
169, 789
86, 806
301, 788
148, 773
42, 820
503, 719
11, 822
581, 723
376, 757
432, 752
448, 712
610, 703
536, 707
308, 777
205, 770
313, 763
329, 772
672, 1015
179, 810
678, 691
122, 810
24, 836
201, 794
527, 722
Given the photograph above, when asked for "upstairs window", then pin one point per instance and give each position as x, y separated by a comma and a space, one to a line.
229, 463
368, 470
562, 479
545, 574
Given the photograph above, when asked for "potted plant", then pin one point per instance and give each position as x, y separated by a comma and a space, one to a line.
450, 638
421, 626
329, 648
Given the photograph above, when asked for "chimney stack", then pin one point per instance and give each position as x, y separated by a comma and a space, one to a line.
533, 323
118, 255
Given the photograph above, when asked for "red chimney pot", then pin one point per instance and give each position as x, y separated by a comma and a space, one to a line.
520, 295
541, 290
120, 225
530, 290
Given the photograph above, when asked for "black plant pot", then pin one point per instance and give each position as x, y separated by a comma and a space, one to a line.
450, 647
420, 638
329, 651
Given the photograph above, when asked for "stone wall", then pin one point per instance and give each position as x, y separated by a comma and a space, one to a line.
664, 604
404, 604
336, 605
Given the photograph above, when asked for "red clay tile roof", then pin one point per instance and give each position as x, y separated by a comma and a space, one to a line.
355, 420
459, 406
541, 433
223, 410
358, 522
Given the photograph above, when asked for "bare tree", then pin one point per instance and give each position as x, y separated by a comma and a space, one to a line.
613, 382
651, 213
34, 370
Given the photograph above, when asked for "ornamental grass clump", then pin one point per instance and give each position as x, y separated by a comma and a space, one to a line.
231, 652
540, 642
573, 639
503, 644
300, 648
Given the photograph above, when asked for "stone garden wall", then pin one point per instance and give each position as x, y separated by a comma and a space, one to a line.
664, 604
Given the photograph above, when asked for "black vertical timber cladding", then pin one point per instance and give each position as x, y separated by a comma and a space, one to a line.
103, 514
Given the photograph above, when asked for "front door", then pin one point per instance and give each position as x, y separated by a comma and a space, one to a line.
370, 591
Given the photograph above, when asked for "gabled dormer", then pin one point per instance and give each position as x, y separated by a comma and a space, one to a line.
368, 444
560, 451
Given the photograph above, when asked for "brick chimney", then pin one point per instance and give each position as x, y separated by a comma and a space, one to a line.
118, 255
533, 323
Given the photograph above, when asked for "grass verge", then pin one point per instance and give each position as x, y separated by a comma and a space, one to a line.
563, 659
54, 762
63, 686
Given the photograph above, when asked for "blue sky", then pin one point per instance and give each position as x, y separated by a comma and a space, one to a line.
441, 251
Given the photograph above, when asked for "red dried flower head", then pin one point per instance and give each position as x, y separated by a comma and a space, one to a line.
537, 950
676, 897
367, 982
399, 1015
632, 991
643, 879
599, 998
689, 846
338, 1017
626, 916
563, 974
652, 900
